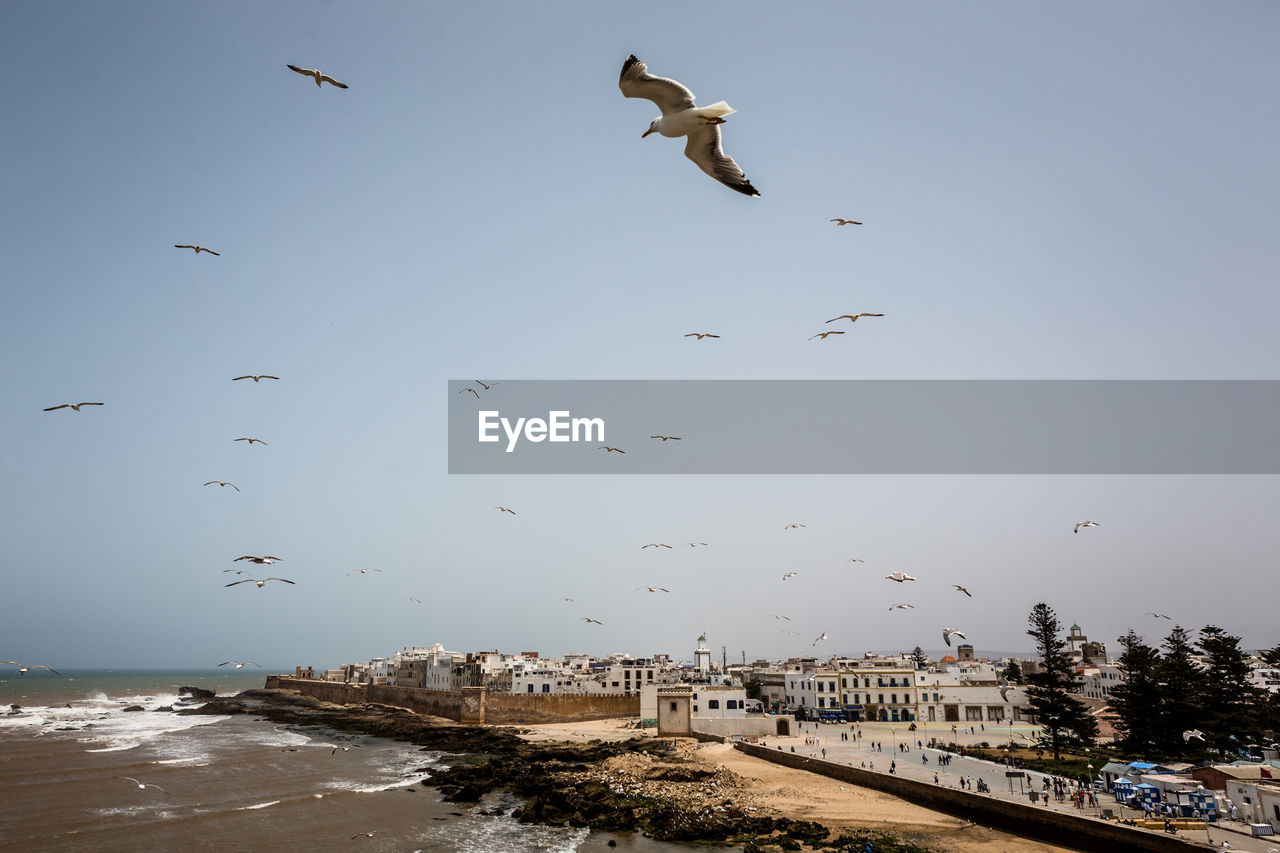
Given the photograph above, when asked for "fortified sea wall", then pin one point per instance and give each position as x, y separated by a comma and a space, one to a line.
1081, 833
470, 705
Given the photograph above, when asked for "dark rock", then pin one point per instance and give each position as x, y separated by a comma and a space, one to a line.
165, 708
135, 708
196, 692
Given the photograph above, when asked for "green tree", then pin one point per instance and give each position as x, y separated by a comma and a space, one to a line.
920, 658
752, 689
1229, 703
1012, 673
1063, 718
1271, 657
1136, 701
1181, 680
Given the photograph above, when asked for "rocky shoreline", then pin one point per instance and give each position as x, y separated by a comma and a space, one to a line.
645, 785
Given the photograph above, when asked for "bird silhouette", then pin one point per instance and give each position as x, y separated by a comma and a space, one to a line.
73, 406
223, 483
255, 377
853, 318
824, 335
701, 335
252, 440
198, 249
839, 222
317, 76
1085, 524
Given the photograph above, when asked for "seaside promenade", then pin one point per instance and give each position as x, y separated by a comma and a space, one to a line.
823, 741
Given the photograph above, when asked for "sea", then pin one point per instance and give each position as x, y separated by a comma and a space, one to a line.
232, 783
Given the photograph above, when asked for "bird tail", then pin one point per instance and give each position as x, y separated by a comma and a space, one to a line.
720, 108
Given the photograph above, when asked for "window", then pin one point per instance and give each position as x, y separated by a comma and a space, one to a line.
546, 688
713, 704
731, 704
820, 686
530, 688
880, 698
893, 699
673, 706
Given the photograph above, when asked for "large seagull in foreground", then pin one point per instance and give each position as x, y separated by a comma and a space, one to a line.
317, 76
680, 117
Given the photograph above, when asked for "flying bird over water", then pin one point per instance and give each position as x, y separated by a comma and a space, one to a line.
962, 589
261, 561
845, 222
240, 664
701, 335
23, 670
223, 483
252, 440
255, 377
505, 509
589, 619
260, 583
820, 638
824, 335
142, 785
680, 117
947, 632
853, 318
198, 249
317, 76
898, 576
1085, 524
667, 437
72, 406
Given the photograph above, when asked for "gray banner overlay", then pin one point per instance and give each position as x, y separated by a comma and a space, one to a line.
866, 427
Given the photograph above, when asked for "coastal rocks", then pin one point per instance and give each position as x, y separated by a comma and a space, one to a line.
134, 708
168, 708
196, 693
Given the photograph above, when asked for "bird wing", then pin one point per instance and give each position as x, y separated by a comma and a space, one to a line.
306, 71
703, 148
88, 404
246, 580
52, 408
265, 376
176, 246
219, 254
286, 580
325, 78
635, 81
42, 666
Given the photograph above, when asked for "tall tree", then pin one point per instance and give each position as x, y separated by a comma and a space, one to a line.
1180, 680
920, 659
1063, 718
1271, 657
1136, 701
1229, 703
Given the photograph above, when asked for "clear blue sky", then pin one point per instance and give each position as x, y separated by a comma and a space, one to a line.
1049, 191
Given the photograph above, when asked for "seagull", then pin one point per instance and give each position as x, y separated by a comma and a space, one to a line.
363, 571
358, 834
855, 560
1085, 524
142, 785
505, 509
198, 249
223, 483
255, 377
667, 437
695, 544
610, 449
589, 619
414, 600
335, 752
790, 633
23, 670
487, 387
822, 637
655, 588
260, 583
1192, 733
237, 571
261, 561
681, 118
902, 607
655, 545
900, 577
241, 664
788, 575
74, 406
776, 616
962, 589
1159, 615
1005, 687
797, 524
252, 440
565, 598
701, 335
853, 318
319, 78
947, 632
845, 222
472, 390
824, 335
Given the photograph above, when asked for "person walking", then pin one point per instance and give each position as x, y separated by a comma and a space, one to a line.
893, 767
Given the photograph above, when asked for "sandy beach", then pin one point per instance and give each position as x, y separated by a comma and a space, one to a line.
781, 791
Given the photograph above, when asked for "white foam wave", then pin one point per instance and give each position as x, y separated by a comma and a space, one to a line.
258, 806
504, 834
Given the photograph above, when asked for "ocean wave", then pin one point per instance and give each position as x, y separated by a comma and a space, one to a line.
505, 834
258, 806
